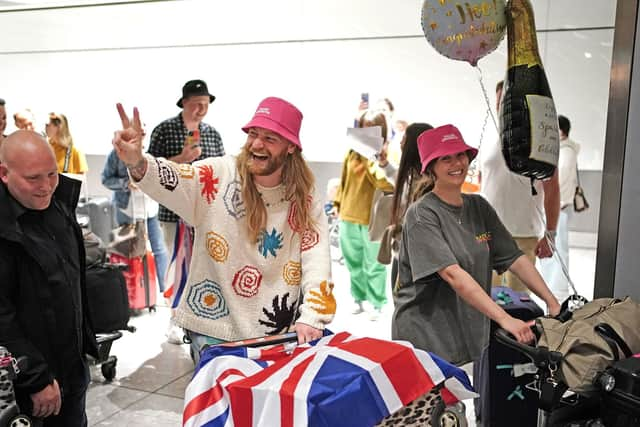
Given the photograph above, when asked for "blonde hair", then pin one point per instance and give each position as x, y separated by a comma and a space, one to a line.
299, 185
63, 136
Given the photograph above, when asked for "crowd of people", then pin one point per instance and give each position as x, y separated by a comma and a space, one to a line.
260, 261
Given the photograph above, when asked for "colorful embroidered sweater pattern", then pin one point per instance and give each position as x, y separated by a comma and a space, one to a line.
236, 289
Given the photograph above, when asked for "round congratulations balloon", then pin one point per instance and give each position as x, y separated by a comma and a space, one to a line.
465, 30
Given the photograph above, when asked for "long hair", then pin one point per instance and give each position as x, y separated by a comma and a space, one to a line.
63, 137
408, 171
299, 184
427, 181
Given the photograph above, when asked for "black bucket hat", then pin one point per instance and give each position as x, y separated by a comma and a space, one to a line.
195, 88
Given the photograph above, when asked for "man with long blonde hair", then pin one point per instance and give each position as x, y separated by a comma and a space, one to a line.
261, 261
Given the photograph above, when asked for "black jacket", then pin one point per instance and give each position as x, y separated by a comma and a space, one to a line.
27, 320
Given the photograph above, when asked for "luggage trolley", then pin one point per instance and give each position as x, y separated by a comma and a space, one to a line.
615, 401
9, 411
427, 410
615, 404
106, 283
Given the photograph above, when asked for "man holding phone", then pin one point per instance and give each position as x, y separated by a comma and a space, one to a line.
184, 138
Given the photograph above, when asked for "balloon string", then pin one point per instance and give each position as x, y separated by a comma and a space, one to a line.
474, 166
486, 99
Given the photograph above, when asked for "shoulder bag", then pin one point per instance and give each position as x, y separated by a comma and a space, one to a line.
579, 200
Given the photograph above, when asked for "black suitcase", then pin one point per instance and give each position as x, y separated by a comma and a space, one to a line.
107, 298
621, 404
504, 399
101, 216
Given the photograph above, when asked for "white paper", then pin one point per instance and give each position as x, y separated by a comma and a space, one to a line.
365, 141
545, 142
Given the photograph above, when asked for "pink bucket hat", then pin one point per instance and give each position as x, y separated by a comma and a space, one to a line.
441, 141
279, 116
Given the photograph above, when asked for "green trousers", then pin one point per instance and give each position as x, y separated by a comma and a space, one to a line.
368, 276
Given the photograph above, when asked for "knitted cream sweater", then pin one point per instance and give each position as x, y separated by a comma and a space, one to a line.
237, 289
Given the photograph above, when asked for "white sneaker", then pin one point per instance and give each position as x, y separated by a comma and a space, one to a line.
358, 308
375, 314
174, 334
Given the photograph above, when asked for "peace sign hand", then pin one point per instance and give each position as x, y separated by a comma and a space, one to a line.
128, 143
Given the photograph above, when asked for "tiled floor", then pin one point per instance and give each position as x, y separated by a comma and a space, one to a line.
152, 375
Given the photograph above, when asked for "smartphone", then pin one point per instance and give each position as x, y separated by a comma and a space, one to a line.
364, 97
193, 138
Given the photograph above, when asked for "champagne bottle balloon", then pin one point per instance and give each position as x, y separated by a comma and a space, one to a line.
528, 119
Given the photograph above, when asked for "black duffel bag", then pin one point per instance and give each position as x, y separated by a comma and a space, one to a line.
107, 298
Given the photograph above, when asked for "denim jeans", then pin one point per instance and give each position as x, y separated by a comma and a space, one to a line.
157, 244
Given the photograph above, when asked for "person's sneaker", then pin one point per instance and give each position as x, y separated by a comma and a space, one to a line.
174, 334
375, 314
358, 308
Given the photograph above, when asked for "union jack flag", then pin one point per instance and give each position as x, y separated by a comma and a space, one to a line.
178, 269
339, 380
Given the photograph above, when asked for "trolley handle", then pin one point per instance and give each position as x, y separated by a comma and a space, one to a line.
540, 356
263, 341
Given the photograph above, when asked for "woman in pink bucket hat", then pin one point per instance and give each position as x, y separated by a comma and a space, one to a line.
450, 243
260, 263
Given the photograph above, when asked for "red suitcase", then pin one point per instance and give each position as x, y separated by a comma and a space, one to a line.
140, 278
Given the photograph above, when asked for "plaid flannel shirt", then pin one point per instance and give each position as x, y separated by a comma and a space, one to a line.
167, 140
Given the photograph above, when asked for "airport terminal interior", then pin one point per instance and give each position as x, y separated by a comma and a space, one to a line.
81, 57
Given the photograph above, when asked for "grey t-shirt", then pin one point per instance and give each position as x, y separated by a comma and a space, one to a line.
435, 235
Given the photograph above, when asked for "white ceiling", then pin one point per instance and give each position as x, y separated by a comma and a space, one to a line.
559, 14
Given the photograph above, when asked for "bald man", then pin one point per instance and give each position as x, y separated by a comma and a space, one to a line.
43, 310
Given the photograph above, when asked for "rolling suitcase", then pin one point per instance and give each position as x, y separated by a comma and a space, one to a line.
101, 216
502, 374
141, 280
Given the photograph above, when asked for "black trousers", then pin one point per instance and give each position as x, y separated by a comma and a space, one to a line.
72, 413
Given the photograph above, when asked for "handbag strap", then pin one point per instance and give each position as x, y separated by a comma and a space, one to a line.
67, 157
577, 174
132, 197
613, 339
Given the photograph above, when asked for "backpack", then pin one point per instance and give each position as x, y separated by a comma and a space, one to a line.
597, 334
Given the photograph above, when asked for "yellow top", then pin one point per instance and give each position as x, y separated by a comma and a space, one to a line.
77, 160
360, 178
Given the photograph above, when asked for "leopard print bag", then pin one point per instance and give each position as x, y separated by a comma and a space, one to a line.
425, 411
